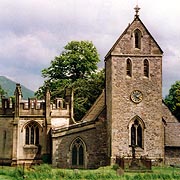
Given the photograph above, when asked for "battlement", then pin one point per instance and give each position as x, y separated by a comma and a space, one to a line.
60, 108
32, 106
6, 106
17, 106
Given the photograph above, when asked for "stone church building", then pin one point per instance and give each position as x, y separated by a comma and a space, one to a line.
129, 112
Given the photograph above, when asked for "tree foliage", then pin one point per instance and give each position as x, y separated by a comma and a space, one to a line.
76, 68
173, 99
2, 92
78, 60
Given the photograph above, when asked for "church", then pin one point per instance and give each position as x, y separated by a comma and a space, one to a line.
130, 112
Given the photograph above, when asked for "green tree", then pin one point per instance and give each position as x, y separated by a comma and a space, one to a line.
86, 91
76, 68
2, 91
78, 60
172, 100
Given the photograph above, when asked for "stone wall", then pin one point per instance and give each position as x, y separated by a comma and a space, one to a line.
30, 154
6, 139
108, 103
172, 134
120, 108
172, 137
172, 155
94, 137
17, 146
124, 110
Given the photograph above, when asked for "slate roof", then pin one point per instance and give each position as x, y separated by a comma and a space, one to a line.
172, 134
96, 109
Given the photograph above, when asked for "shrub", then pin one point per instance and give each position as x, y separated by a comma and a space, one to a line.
138, 177
91, 176
115, 167
60, 174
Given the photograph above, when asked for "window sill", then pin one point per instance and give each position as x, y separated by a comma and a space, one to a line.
145, 77
137, 149
30, 146
77, 167
128, 77
137, 49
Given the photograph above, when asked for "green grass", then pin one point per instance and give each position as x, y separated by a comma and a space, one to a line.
3, 177
45, 172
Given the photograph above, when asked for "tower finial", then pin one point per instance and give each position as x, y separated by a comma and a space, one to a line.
137, 10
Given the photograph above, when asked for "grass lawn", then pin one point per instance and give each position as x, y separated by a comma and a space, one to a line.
3, 177
45, 172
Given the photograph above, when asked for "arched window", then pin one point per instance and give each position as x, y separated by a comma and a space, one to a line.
77, 153
146, 68
136, 133
32, 133
129, 68
137, 38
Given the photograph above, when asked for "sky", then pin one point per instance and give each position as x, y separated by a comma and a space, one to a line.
33, 32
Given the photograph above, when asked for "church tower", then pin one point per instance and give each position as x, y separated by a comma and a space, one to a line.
134, 94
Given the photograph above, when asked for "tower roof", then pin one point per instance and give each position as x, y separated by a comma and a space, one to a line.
136, 24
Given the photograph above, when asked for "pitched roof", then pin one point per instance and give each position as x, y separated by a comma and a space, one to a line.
96, 108
172, 134
167, 114
125, 31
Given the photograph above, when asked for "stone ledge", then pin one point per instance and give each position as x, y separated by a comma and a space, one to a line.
30, 146
74, 129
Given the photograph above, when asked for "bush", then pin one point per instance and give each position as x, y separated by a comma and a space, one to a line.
91, 176
115, 167
46, 158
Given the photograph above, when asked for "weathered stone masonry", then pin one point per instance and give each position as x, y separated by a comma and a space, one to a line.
129, 113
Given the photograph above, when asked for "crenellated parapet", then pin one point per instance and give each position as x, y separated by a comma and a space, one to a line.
32, 107
6, 106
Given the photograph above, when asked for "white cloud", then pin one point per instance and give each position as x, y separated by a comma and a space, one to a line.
32, 32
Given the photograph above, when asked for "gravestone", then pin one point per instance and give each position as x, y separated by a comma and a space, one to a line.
134, 162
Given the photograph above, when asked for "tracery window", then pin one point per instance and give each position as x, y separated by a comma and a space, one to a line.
129, 68
32, 133
78, 153
137, 134
137, 38
146, 68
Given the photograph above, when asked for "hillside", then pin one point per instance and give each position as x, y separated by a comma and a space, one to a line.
9, 86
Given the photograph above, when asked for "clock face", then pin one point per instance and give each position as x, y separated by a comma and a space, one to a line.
136, 96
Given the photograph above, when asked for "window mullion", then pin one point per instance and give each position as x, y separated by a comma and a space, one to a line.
29, 135
136, 138
78, 156
34, 135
